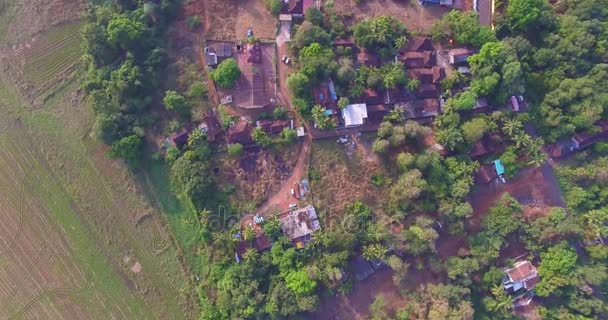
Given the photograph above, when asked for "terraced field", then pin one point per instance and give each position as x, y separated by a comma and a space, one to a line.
52, 54
78, 240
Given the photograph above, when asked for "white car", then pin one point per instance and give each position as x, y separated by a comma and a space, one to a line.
293, 206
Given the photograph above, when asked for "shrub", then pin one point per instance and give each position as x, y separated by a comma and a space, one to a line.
235, 149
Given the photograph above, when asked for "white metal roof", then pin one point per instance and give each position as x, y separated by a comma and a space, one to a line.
354, 114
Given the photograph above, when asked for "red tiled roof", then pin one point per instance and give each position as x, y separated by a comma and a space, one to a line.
415, 59
522, 270
240, 133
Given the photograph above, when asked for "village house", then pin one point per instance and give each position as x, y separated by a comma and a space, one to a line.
373, 96
585, 139
368, 58
427, 91
178, 139
296, 8
487, 145
577, 142
426, 75
519, 282
420, 109
460, 56
354, 114
210, 126
325, 95
216, 53
273, 126
415, 59
486, 173
482, 106
419, 44
298, 225
240, 133
260, 243
363, 268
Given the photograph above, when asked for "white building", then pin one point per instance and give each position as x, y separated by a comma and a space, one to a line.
354, 114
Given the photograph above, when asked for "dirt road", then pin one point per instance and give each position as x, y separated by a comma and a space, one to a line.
283, 198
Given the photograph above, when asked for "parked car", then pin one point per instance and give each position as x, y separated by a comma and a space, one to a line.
293, 206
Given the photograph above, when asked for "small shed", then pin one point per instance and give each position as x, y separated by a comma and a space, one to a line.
500, 169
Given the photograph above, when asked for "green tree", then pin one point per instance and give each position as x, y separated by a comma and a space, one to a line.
474, 129
381, 146
374, 251
524, 13
379, 33
274, 6
343, 102
176, 102
321, 118
128, 148
122, 31
260, 137
226, 74
299, 84
556, 267
315, 16
299, 282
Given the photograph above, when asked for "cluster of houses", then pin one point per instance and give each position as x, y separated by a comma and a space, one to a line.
296, 224
209, 125
423, 104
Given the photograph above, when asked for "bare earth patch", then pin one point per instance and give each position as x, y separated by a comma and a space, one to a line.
257, 174
414, 16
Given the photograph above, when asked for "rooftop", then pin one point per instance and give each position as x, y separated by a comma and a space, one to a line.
299, 223
422, 108
354, 114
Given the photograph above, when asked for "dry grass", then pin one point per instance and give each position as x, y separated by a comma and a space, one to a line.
343, 179
230, 19
416, 18
256, 175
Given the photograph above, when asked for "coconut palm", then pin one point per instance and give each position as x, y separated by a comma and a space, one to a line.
511, 126
503, 301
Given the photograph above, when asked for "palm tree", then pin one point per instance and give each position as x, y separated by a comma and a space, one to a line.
374, 251
595, 221
521, 139
535, 151
511, 126
503, 301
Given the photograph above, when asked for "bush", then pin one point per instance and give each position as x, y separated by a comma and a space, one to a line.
381, 146
235, 149
128, 148
197, 90
274, 6
226, 74
193, 22
176, 102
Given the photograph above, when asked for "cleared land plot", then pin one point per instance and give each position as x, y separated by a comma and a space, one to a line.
532, 186
257, 175
230, 19
414, 16
253, 14
257, 85
341, 175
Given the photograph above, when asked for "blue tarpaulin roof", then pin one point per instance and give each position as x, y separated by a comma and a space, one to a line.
500, 169
329, 112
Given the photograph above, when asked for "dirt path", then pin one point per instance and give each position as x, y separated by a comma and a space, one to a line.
283, 198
